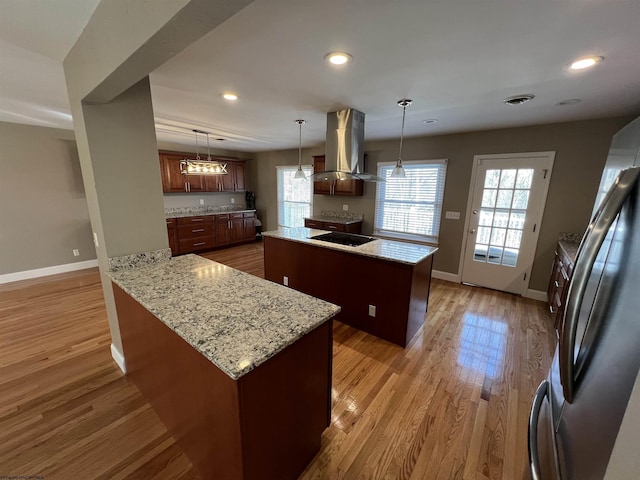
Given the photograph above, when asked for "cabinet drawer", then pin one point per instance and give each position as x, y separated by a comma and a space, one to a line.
194, 220
313, 224
195, 230
236, 215
195, 244
336, 227
249, 214
220, 218
171, 222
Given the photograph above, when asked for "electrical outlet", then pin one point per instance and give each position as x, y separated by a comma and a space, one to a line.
202, 201
285, 281
452, 215
345, 208
372, 310
233, 200
76, 252
95, 240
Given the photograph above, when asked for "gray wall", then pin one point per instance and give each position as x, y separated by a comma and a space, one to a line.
581, 150
43, 209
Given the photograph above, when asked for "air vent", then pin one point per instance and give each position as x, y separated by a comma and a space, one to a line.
518, 99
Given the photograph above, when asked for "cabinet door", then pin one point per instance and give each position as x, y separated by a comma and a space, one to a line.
249, 225
348, 187
240, 173
172, 232
174, 181
320, 187
227, 182
237, 230
212, 183
222, 230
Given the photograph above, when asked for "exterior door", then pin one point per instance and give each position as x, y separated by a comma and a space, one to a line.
507, 201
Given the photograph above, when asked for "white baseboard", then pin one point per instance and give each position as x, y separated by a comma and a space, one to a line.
118, 358
43, 272
536, 295
449, 277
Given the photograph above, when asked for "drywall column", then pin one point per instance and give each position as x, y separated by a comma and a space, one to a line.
107, 80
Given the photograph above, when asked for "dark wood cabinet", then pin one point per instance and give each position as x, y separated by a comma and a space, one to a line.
354, 188
355, 227
203, 232
175, 182
172, 232
558, 286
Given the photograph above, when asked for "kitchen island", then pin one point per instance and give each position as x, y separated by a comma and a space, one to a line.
237, 368
382, 286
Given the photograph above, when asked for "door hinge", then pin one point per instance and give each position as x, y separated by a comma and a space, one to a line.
525, 276
545, 172
534, 226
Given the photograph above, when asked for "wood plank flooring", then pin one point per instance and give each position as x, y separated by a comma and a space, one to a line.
452, 405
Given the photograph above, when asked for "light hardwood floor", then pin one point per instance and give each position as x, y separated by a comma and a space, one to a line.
452, 405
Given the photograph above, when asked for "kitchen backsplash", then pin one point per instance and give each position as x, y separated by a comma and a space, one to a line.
342, 215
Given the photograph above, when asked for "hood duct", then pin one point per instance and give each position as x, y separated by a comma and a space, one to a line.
344, 148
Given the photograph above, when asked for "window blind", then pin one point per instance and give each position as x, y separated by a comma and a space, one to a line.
411, 207
294, 196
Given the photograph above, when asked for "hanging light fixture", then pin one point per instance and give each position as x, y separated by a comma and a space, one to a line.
299, 173
199, 166
398, 171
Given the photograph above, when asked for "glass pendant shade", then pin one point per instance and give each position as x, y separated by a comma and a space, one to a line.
299, 173
398, 171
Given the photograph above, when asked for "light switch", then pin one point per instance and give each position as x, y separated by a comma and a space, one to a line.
372, 310
452, 215
345, 208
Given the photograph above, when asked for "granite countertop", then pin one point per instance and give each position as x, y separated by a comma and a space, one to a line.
344, 221
401, 252
234, 319
197, 211
569, 243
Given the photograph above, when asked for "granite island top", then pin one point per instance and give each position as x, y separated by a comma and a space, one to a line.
401, 252
236, 320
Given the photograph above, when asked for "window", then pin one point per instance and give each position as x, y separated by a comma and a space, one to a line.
411, 207
294, 196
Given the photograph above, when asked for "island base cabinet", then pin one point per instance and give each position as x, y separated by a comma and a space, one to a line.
266, 424
399, 292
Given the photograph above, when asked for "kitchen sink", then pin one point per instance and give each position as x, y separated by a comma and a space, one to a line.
349, 239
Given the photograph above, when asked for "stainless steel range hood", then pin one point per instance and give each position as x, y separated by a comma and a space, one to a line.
344, 148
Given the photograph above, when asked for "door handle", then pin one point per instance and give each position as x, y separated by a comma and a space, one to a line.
585, 259
534, 457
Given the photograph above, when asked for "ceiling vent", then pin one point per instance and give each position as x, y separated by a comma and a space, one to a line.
518, 99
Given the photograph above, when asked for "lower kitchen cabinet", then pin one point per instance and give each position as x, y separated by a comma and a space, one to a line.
197, 233
559, 285
355, 227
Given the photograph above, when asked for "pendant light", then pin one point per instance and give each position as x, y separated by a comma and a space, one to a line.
199, 166
299, 173
398, 171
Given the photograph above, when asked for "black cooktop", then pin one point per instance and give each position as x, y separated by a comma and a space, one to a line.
349, 239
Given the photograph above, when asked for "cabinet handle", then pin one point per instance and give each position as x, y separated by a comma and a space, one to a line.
197, 219
199, 243
185, 187
229, 224
556, 284
551, 309
332, 227
194, 230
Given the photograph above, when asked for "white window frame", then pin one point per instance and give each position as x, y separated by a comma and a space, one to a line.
439, 198
308, 171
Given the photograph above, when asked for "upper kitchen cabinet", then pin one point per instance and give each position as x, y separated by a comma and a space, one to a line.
175, 182
354, 188
233, 181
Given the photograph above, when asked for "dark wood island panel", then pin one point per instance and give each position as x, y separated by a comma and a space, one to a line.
266, 424
399, 291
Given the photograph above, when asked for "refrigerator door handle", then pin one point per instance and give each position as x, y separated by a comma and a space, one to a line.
534, 458
586, 257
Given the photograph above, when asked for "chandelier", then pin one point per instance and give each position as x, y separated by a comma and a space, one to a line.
199, 166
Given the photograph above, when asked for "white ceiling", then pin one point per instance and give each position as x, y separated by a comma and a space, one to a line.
455, 59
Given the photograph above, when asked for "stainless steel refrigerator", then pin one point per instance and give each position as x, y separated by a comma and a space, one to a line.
578, 412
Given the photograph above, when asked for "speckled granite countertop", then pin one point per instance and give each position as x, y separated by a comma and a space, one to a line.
344, 221
234, 319
196, 211
570, 249
401, 252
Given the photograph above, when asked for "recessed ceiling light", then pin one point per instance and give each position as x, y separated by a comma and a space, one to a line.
571, 101
430, 120
338, 58
586, 62
229, 96
518, 99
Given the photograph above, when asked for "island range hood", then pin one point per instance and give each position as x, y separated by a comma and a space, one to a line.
344, 148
